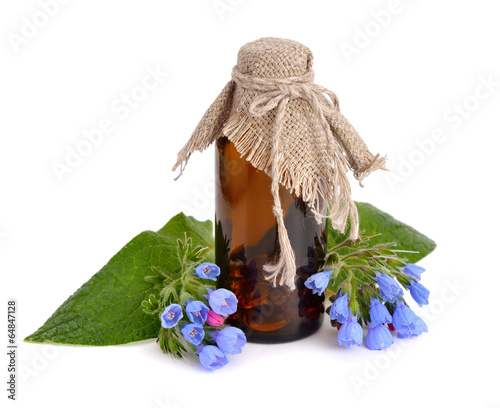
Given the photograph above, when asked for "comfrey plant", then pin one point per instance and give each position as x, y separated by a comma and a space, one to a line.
367, 285
192, 311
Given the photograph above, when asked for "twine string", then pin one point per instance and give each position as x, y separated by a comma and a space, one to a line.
274, 90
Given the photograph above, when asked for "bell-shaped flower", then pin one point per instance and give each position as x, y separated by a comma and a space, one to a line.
197, 312
416, 329
192, 333
340, 309
413, 271
211, 357
419, 293
350, 332
230, 340
318, 282
207, 270
406, 322
379, 313
223, 302
389, 288
403, 317
378, 337
420, 327
171, 315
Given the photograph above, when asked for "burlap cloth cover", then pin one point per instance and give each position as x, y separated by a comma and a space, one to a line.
292, 129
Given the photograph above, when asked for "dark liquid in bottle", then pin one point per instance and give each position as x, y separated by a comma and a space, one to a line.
247, 239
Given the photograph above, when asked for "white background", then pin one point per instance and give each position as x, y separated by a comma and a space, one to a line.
401, 82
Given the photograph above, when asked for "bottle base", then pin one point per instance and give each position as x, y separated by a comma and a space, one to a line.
256, 336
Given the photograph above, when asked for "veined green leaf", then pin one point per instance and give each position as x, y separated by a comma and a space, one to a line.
107, 309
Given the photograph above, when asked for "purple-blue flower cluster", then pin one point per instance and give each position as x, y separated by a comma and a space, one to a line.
404, 321
213, 345
384, 309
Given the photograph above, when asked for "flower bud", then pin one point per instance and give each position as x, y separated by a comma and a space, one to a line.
395, 262
354, 306
214, 319
403, 280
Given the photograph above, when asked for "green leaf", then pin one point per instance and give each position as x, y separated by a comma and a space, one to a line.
107, 309
374, 221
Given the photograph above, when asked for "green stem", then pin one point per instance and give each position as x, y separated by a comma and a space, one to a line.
357, 253
347, 242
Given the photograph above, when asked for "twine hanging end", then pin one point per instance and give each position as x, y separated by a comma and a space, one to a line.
282, 273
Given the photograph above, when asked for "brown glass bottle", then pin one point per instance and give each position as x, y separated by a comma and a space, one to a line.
246, 239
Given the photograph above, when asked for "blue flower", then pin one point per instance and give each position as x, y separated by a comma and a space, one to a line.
406, 322
230, 340
379, 313
389, 288
413, 271
318, 282
222, 301
403, 317
350, 332
378, 337
171, 315
420, 327
207, 270
192, 333
416, 329
211, 357
419, 293
197, 312
340, 310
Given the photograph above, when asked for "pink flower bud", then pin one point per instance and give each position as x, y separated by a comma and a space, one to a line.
214, 319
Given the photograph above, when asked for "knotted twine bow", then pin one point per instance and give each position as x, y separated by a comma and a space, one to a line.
292, 129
